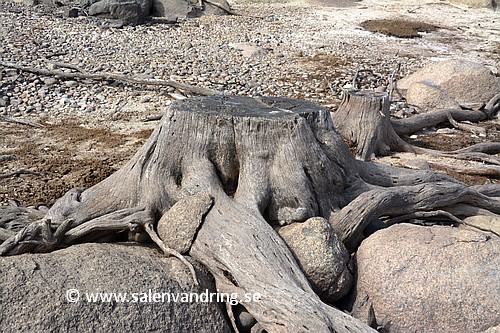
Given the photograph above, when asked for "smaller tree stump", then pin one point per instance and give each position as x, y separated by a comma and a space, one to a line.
363, 119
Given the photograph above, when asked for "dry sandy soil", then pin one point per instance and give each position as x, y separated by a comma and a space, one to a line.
72, 150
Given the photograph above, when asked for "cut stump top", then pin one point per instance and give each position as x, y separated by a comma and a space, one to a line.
238, 106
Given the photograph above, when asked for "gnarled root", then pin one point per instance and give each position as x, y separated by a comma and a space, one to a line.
351, 220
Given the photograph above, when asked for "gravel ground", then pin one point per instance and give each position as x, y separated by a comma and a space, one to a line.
304, 51
296, 49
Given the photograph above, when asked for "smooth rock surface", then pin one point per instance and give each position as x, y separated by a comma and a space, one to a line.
178, 226
429, 279
476, 3
449, 84
33, 292
321, 255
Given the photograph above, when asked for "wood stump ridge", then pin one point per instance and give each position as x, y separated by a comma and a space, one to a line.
264, 163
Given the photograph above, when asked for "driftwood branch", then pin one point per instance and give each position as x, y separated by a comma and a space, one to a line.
115, 77
466, 127
20, 172
20, 121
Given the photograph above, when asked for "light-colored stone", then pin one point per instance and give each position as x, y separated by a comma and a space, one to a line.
448, 84
172, 8
33, 292
429, 279
178, 226
429, 96
475, 3
322, 256
248, 50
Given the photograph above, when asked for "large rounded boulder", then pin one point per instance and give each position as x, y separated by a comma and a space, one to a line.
450, 84
429, 279
105, 287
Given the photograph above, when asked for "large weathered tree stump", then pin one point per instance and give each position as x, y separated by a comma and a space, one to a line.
264, 163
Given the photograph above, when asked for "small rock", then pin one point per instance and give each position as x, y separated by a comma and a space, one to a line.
321, 255
10, 72
70, 83
248, 50
49, 81
244, 320
72, 12
64, 100
178, 226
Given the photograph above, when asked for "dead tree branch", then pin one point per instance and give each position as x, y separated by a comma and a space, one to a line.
20, 172
20, 121
115, 77
466, 127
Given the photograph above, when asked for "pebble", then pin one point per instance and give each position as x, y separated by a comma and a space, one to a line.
64, 100
49, 81
70, 83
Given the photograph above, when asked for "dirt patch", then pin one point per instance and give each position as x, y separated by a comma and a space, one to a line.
398, 27
68, 155
459, 140
467, 179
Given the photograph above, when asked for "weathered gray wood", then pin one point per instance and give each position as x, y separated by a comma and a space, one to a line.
13, 219
417, 122
246, 256
363, 119
403, 200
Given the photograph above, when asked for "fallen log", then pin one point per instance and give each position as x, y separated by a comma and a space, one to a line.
104, 76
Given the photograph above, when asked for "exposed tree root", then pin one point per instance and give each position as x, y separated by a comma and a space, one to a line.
403, 200
429, 119
168, 251
420, 121
466, 127
483, 170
